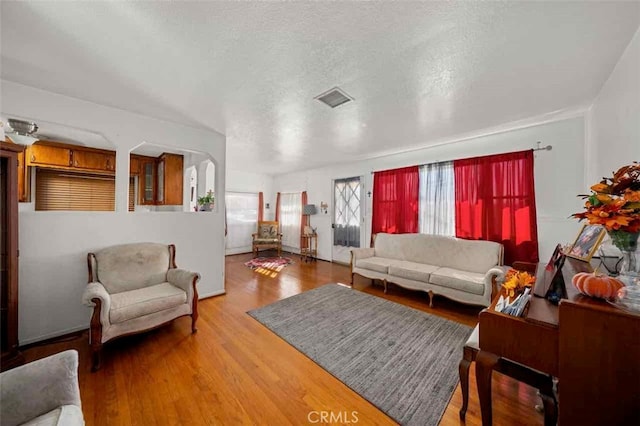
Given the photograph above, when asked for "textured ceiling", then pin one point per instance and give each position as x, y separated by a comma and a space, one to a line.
418, 71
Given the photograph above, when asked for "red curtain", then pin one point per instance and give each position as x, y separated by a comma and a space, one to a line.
277, 207
395, 201
260, 207
495, 201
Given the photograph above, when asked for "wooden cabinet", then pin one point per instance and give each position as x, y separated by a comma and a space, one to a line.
160, 180
172, 179
93, 160
147, 180
11, 356
134, 165
56, 155
45, 155
24, 179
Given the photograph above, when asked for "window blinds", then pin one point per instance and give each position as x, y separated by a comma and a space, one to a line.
64, 190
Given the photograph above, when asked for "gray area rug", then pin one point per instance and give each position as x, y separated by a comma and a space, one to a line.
403, 361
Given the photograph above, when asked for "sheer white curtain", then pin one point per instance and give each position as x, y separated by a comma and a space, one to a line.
437, 199
242, 221
290, 218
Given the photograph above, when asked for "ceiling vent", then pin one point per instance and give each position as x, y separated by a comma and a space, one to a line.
334, 97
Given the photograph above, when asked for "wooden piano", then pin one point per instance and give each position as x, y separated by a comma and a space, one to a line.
591, 346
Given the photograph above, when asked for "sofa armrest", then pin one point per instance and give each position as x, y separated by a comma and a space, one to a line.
492, 278
183, 279
96, 290
362, 253
39, 387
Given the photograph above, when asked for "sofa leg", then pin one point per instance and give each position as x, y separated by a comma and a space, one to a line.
430, 298
384, 283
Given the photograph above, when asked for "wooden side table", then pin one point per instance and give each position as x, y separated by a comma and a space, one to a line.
309, 250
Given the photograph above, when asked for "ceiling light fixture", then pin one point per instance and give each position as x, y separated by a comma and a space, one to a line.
21, 131
334, 97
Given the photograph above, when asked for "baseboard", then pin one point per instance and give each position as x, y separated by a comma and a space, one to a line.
213, 293
55, 334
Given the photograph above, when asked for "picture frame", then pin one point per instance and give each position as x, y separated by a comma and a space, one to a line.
587, 242
552, 274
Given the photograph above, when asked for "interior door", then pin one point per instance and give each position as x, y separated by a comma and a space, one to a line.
348, 217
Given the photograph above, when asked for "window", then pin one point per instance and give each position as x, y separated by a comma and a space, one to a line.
290, 218
66, 190
242, 218
346, 196
437, 199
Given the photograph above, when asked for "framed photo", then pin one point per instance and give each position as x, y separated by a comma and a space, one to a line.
552, 273
587, 242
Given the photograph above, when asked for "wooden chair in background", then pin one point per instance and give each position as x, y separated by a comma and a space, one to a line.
267, 237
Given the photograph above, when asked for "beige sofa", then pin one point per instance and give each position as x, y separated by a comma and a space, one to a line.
136, 287
43, 392
462, 270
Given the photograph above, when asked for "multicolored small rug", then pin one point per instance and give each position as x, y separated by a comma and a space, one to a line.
269, 263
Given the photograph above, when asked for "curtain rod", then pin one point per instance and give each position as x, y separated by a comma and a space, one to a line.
538, 148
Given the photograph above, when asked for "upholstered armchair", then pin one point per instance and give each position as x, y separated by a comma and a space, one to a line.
136, 287
267, 237
42, 392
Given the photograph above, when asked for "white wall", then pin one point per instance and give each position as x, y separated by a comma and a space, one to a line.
54, 245
559, 177
613, 122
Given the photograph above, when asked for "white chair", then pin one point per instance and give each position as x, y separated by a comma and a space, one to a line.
136, 287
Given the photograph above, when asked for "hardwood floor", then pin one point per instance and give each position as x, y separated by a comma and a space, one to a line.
235, 371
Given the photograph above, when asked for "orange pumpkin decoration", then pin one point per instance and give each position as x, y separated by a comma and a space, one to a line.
594, 285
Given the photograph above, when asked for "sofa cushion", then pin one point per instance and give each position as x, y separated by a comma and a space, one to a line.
65, 415
474, 256
131, 266
374, 263
470, 282
411, 270
143, 301
456, 253
265, 240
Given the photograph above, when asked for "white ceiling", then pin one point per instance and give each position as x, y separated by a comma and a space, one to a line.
419, 72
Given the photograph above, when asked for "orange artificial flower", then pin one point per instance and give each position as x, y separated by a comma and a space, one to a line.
615, 202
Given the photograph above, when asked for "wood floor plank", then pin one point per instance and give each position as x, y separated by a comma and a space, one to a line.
235, 371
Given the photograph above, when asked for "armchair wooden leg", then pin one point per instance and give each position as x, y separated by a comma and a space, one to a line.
194, 307
96, 357
352, 277
96, 335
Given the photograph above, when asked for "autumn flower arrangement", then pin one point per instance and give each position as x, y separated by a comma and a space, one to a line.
615, 202
516, 281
